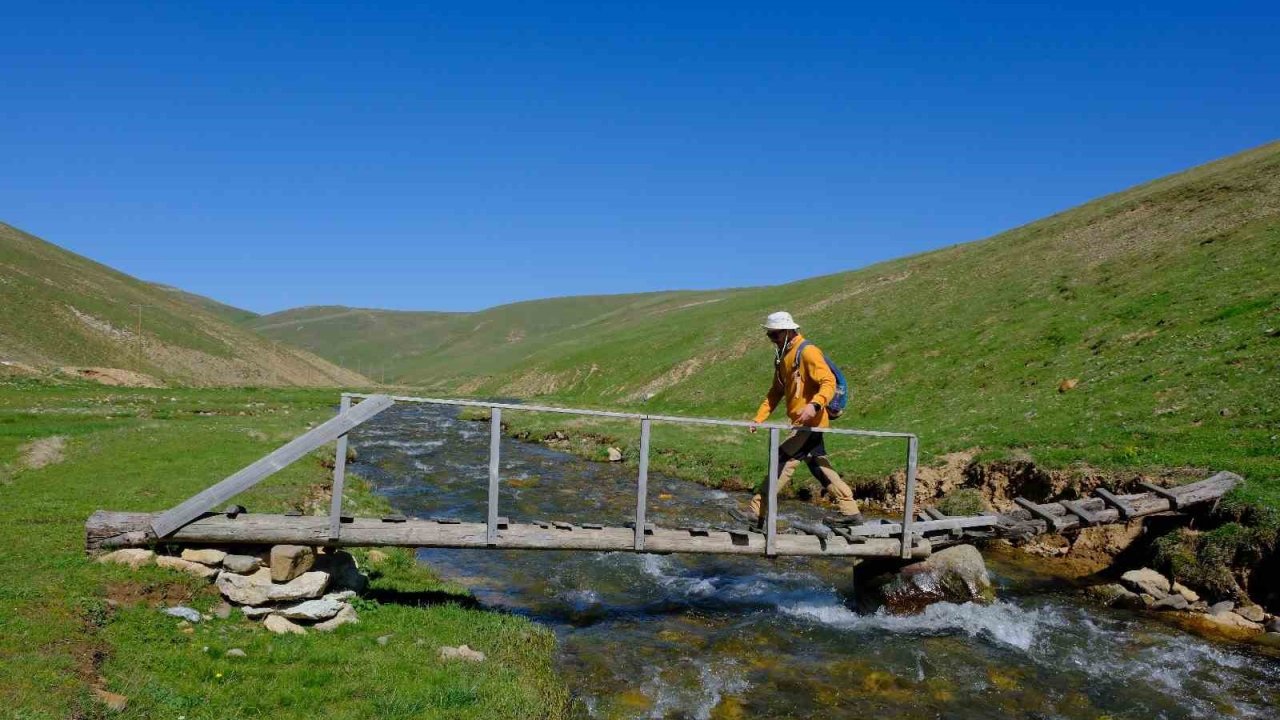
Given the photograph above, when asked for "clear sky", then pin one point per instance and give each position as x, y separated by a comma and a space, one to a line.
454, 156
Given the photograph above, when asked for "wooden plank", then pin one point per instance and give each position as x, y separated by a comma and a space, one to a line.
1165, 493
208, 499
909, 497
1055, 523
951, 523
642, 485
1078, 509
131, 530
1125, 509
339, 477
771, 498
934, 513
495, 447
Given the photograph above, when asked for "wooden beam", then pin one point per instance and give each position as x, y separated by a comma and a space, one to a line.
174, 518
1055, 523
339, 477
1125, 509
130, 530
1165, 493
1077, 508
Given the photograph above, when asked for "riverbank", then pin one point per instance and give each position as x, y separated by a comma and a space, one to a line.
76, 636
1230, 555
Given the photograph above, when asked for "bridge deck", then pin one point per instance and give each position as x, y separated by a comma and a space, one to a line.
113, 529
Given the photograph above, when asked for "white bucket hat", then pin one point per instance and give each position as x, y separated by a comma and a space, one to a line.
780, 321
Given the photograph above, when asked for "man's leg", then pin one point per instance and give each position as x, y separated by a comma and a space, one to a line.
784, 477
789, 451
838, 489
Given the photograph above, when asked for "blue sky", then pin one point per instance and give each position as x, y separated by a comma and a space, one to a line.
458, 156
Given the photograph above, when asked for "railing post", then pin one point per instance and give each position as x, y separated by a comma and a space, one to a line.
771, 499
495, 443
909, 498
642, 484
339, 477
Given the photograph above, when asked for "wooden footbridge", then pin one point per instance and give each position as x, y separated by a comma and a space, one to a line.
915, 535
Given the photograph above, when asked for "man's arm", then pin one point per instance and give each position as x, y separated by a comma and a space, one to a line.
770, 401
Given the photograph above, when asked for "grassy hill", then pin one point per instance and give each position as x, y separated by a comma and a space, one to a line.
1161, 302
224, 311
452, 350
61, 310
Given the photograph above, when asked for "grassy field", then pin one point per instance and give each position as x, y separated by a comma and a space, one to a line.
68, 624
61, 309
1139, 333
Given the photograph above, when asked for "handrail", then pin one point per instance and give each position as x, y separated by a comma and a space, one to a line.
771, 500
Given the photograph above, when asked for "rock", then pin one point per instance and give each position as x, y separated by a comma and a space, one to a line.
290, 561
1146, 581
185, 613
347, 615
1273, 625
376, 557
344, 572
1115, 595
211, 558
115, 702
133, 557
1199, 606
383, 640
1172, 601
1252, 613
1228, 624
304, 587
186, 566
341, 596
313, 610
1191, 595
1148, 600
956, 574
462, 652
235, 652
1218, 608
222, 611
282, 626
242, 564
256, 613
252, 589
1068, 385
615, 455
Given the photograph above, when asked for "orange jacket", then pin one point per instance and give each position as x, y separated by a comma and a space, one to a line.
812, 382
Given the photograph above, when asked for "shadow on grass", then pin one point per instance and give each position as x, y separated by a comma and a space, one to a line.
422, 598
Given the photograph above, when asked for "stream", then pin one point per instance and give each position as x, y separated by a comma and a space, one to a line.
684, 636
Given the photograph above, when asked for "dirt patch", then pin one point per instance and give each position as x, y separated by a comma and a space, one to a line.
13, 367
668, 379
42, 453
113, 376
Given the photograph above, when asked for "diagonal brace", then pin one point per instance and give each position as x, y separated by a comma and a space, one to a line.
195, 506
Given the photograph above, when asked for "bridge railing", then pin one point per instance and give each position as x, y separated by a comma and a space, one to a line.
646, 420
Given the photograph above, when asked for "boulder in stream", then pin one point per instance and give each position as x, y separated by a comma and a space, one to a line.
956, 574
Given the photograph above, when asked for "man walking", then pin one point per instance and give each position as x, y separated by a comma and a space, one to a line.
808, 385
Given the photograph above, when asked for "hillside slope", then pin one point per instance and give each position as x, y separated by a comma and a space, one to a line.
434, 349
226, 312
61, 309
1161, 302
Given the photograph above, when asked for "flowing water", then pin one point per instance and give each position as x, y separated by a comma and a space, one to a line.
680, 636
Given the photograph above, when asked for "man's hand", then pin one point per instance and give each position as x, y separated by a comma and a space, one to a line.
807, 414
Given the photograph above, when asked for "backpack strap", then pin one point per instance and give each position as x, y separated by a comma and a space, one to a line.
795, 364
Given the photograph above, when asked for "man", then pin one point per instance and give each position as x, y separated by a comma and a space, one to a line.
807, 387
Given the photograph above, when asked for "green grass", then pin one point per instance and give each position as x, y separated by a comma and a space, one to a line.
1162, 301
66, 621
61, 309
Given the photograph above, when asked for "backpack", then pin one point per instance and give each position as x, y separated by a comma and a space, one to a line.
835, 408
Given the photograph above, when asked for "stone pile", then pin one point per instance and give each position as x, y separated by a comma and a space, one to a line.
1146, 589
291, 588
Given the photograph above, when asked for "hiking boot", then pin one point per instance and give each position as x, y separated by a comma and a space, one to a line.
843, 520
752, 522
